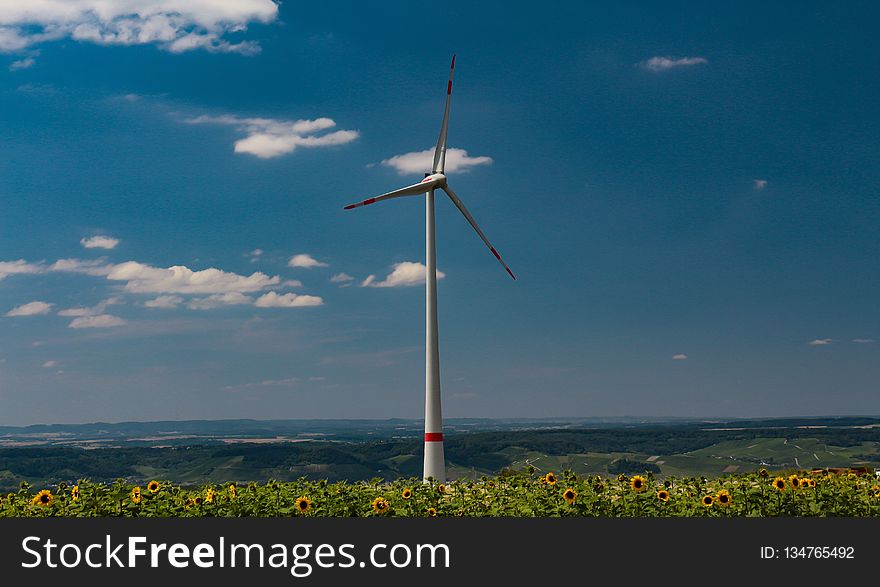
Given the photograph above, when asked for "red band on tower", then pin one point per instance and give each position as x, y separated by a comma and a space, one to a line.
433, 437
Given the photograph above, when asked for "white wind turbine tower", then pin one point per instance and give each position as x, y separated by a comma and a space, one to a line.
435, 466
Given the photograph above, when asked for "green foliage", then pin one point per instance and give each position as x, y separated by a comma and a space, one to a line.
525, 493
629, 467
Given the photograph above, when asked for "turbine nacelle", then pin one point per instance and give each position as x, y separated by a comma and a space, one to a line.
433, 180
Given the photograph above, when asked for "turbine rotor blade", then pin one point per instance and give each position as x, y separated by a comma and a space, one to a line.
412, 190
440, 150
458, 204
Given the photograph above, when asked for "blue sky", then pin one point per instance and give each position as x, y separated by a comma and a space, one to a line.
687, 194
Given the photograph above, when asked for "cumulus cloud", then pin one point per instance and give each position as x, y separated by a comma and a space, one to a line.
659, 64
457, 160
820, 341
20, 267
305, 261
679, 357
403, 274
92, 311
30, 309
288, 300
141, 278
269, 137
99, 242
99, 321
164, 302
341, 278
97, 267
211, 302
173, 25
759, 184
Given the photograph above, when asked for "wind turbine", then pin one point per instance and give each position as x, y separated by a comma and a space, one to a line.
434, 466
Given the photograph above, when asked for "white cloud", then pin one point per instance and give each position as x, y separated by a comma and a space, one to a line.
24, 63
20, 267
269, 137
341, 278
863, 340
255, 255
457, 160
288, 300
666, 63
211, 302
30, 309
50, 364
164, 302
820, 341
97, 267
141, 278
288, 382
305, 261
174, 25
93, 311
99, 321
403, 274
291, 283
679, 357
759, 184
99, 242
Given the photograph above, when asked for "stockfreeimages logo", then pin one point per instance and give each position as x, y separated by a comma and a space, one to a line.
300, 559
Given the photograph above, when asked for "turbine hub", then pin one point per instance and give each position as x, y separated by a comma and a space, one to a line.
434, 180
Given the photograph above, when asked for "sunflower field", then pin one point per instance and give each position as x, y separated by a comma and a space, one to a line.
522, 494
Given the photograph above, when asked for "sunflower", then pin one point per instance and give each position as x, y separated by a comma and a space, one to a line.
197, 500
723, 498
637, 483
812, 483
876, 490
303, 504
153, 486
490, 484
441, 488
550, 478
569, 495
135, 494
621, 477
43, 498
232, 493
795, 482
432, 513
74, 493
663, 495
380, 505
407, 493
62, 486
708, 500
779, 483
209, 496
763, 473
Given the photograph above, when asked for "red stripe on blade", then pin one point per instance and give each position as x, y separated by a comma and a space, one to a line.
494, 252
449, 88
433, 437
370, 201
350, 206
453, 63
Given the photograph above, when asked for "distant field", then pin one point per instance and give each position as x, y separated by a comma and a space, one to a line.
243, 451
